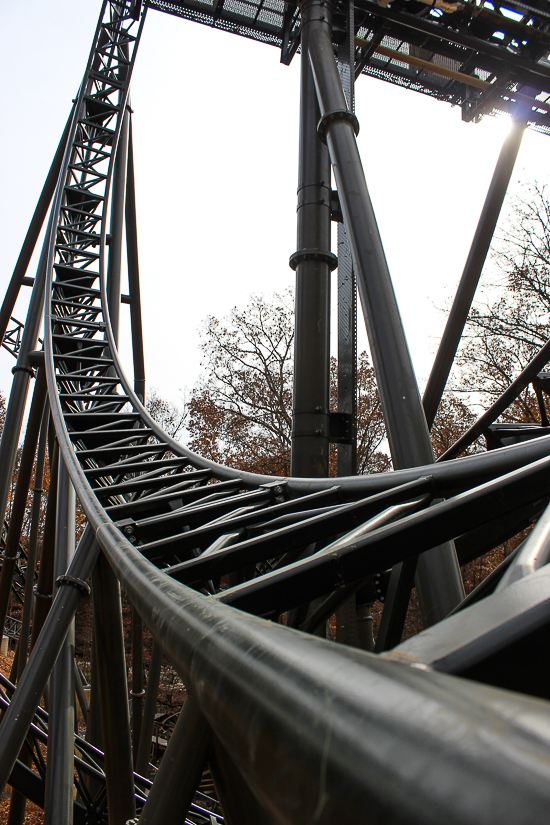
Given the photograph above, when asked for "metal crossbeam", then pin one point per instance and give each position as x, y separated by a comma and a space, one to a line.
216, 561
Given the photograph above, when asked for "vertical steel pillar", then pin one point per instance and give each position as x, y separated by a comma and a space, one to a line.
346, 614
239, 805
472, 271
44, 585
22, 373
58, 807
347, 286
146, 732
133, 274
180, 770
139, 388
20, 712
117, 226
11, 549
115, 717
313, 262
93, 727
438, 574
137, 691
36, 510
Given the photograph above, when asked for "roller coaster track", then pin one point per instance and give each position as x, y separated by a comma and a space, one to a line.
452, 725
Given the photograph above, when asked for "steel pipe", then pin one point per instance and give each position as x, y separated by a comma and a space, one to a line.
36, 510
313, 262
467, 286
415, 711
11, 549
58, 805
19, 715
133, 274
22, 373
148, 721
115, 717
173, 790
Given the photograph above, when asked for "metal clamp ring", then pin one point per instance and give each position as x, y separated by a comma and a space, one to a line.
313, 255
23, 369
74, 582
337, 114
40, 595
9, 558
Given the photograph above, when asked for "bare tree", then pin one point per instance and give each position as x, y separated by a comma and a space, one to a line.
504, 334
240, 412
166, 414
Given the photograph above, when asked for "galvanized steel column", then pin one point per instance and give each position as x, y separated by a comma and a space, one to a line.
438, 575
347, 285
58, 807
117, 226
313, 262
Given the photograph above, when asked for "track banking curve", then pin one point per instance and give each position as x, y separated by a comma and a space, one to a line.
210, 557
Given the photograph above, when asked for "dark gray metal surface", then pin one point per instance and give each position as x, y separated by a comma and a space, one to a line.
296, 728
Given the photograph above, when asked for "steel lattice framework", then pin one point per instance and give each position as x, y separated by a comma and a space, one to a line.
452, 725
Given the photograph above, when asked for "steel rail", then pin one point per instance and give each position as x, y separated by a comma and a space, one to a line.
211, 644
320, 733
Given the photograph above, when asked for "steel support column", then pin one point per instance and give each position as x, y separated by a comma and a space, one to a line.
115, 717
438, 574
472, 271
313, 262
36, 510
133, 274
22, 373
44, 584
18, 716
346, 614
174, 787
137, 692
117, 226
148, 720
347, 285
58, 807
11, 549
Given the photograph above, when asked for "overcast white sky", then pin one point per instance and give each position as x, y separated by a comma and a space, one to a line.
215, 127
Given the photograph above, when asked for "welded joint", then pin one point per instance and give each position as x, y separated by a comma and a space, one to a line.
336, 114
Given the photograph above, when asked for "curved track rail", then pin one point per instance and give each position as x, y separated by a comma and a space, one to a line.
298, 729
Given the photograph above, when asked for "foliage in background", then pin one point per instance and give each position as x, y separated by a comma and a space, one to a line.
504, 334
240, 412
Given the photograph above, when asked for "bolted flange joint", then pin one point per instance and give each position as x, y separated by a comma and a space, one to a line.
74, 582
313, 255
337, 114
